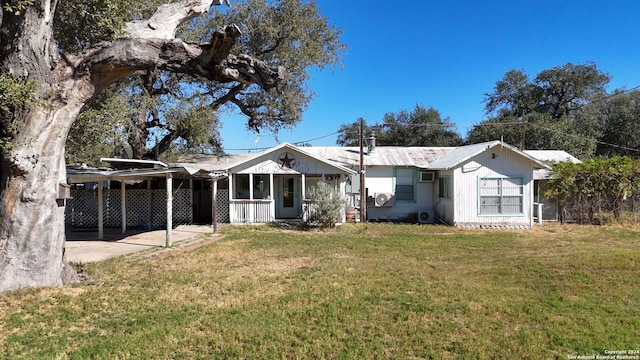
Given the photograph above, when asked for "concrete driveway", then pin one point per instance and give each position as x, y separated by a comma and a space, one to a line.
84, 246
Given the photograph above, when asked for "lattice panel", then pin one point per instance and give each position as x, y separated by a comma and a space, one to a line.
138, 209
112, 210
182, 207
222, 202
82, 210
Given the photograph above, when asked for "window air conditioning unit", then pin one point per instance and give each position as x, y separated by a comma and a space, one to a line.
426, 217
427, 176
383, 199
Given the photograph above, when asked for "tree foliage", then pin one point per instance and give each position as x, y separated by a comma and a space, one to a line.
420, 127
620, 125
557, 109
15, 93
179, 112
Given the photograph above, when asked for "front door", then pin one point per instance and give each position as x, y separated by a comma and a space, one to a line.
288, 204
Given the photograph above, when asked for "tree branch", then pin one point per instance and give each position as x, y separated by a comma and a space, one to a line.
229, 96
165, 21
247, 111
152, 46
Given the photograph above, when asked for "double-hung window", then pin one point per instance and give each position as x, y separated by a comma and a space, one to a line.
405, 184
501, 196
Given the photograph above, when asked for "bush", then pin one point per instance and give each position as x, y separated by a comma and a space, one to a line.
326, 207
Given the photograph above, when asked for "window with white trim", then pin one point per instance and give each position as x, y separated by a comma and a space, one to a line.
501, 196
405, 184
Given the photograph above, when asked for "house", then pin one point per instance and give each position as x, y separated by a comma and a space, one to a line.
271, 185
475, 186
482, 185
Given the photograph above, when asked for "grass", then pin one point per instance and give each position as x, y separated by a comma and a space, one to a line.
359, 291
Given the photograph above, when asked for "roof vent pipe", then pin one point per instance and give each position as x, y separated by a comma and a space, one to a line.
371, 146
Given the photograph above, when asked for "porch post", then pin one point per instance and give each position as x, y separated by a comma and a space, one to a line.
150, 204
169, 209
342, 184
123, 205
231, 204
100, 211
272, 194
214, 204
251, 207
303, 184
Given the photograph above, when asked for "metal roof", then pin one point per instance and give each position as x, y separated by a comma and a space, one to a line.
82, 175
133, 163
436, 158
211, 162
421, 157
464, 153
552, 156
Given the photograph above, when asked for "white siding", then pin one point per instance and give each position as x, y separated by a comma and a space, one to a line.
465, 188
381, 179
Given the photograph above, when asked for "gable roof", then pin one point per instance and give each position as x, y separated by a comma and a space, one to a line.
344, 158
229, 162
464, 153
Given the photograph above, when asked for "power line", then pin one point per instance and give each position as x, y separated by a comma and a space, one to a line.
297, 143
558, 131
314, 139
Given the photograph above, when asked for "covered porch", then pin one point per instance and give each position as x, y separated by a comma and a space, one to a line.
267, 197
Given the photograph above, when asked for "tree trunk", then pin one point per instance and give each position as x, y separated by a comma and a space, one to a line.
32, 231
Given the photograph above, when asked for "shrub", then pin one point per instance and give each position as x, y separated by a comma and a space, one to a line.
326, 207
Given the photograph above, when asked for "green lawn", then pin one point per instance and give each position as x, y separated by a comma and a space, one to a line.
359, 291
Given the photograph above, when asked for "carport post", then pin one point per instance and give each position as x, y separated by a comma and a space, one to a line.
214, 205
169, 209
100, 211
123, 205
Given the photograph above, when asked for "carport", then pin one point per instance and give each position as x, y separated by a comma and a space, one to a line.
123, 170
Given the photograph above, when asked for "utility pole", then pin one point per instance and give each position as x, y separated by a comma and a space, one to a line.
363, 199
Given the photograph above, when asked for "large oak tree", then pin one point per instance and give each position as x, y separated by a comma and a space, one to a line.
162, 111
558, 109
54, 84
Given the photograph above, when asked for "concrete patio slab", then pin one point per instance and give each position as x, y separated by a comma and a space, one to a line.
84, 246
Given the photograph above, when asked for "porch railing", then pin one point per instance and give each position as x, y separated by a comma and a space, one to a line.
251, 211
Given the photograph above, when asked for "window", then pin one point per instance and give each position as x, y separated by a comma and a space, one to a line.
444, 187
241, 186
503, 196
405, 183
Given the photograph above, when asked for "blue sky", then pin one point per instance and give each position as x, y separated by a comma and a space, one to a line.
448, 54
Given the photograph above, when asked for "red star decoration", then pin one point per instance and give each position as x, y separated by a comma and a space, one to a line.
286, 161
